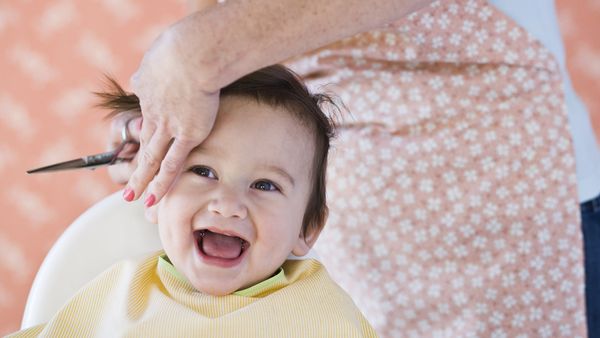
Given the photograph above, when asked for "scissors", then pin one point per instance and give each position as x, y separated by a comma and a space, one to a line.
97, 160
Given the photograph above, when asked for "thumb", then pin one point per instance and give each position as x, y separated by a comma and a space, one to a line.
134, 127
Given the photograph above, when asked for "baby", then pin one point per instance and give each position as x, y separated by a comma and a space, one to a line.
249, 196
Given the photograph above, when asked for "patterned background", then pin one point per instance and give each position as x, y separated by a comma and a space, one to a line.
53, 54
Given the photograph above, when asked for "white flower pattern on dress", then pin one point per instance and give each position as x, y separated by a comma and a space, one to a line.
452, 187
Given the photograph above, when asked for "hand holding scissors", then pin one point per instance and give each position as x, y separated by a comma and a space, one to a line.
125, 145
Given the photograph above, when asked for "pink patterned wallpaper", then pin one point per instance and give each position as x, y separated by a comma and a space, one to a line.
53, 54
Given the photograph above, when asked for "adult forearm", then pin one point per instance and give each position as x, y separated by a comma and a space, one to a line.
230, 40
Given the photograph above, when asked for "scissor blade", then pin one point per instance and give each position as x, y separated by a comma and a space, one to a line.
73, 164
89, 162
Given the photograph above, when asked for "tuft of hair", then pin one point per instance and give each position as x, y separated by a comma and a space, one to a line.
275, 86
116, 100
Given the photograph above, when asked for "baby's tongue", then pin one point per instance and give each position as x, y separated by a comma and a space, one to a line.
221, 246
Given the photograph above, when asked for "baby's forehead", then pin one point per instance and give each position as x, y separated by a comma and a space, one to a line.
283, 107
297, 116
248, 116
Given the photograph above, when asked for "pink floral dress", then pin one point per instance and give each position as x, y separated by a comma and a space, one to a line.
452, 185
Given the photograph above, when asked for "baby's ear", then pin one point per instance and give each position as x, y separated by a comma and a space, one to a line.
305, 243
151, 214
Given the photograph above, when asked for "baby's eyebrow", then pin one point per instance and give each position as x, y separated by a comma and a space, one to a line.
279, 171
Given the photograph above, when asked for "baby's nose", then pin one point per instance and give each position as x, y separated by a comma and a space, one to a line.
228, 203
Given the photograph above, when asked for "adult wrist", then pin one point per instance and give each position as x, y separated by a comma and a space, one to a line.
196, 45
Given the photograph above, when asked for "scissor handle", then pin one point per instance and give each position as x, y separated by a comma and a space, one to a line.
100, 159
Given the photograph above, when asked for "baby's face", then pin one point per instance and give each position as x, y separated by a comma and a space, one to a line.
235, 212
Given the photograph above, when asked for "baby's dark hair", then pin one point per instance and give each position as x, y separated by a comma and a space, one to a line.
276, 86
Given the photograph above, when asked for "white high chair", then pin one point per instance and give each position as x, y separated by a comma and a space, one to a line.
108, 232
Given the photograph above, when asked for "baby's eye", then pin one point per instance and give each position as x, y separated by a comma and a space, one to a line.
203, 171
265, 186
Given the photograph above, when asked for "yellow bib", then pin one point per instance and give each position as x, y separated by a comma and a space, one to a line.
146, 299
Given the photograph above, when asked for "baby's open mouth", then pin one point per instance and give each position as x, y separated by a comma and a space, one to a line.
218, 245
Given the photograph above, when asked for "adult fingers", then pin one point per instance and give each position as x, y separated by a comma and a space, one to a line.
169, 169
134, 128
121, 172
149, 160
148, 129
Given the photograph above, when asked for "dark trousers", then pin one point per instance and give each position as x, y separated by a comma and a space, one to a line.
590, 223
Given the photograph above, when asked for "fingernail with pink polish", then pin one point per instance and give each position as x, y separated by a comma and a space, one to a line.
128, 194
150, 200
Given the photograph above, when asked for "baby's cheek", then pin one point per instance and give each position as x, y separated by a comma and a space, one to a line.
281, 238
168, 228
166, 235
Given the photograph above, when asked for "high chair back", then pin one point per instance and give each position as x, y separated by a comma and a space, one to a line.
108, 232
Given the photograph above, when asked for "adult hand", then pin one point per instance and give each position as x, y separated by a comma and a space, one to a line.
178, 114
121, 172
